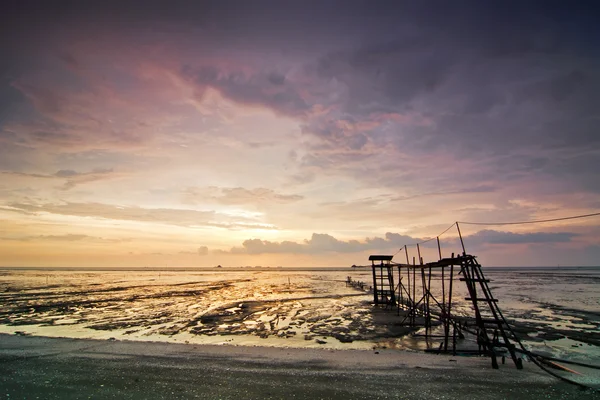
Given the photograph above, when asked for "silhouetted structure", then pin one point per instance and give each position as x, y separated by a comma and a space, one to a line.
420, 305
383, 280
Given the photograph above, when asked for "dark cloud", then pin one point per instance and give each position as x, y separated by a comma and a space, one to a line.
44, 99
469, 68
75, 178
387, 77
470, 92
72, 178
473, 103
251, 89
492, 237
260, 145
322, 243
23, 174
276, 78
64, 173
556, 88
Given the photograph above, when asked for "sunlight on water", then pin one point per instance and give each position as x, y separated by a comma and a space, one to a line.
552, 311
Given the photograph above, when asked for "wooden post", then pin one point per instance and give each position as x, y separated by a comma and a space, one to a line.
423, 290
409, 300
429, 297
374, 283
381, 280
414, 302
449, 313
462, 243
443, 278
401, 297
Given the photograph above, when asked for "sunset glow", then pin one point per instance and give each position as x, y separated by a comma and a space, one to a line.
295, 134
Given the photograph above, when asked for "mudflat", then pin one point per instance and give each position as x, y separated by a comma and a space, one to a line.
60, 368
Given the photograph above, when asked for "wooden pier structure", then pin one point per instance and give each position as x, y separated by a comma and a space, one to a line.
407, 288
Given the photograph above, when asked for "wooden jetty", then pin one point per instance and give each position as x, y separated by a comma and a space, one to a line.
406, 287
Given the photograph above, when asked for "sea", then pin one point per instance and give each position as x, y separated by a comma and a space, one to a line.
554, 311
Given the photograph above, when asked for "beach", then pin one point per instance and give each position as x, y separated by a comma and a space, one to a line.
62, 368
87, 333
554, 312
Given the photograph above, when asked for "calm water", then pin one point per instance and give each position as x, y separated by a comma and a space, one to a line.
556, 311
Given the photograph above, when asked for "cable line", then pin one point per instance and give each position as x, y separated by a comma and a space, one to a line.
496, 223
530, 222
425, 241
447, 229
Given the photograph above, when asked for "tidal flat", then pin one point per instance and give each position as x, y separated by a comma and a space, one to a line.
554, 312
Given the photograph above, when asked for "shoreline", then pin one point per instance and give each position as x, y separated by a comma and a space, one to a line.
79, 368
254, 308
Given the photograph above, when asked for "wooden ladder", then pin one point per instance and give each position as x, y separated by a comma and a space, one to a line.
492, 329
384, 291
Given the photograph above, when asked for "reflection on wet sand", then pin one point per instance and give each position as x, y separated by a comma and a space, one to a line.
316, 308
552, 313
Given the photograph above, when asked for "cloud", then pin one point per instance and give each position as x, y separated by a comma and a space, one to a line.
238, 196
386, 75
202, 250
492, 237
72, 178
116, 108
461, 111
464, 106
269, 89
467, 92
77, 178
260, 145
71, 237
466, 190
301, 178
322, 243
178, 217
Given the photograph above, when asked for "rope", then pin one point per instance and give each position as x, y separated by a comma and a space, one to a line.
532, 354
531, 222
533, 359
539, 221
427, 240
554, 374
447, 229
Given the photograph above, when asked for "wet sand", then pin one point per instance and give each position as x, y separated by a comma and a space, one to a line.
60, 368
276, 309
281, 308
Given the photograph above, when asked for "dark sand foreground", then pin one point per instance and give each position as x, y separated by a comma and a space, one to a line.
51, 368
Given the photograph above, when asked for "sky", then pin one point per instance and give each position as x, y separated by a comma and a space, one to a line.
297, 133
